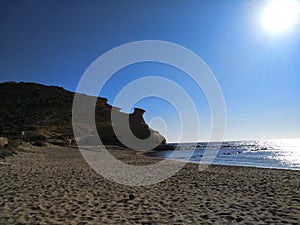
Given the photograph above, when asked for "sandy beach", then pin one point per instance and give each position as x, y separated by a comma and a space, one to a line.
54, 185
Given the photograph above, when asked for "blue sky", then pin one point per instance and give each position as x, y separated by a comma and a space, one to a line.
54, 42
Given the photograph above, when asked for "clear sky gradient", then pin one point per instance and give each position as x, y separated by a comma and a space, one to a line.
54, 42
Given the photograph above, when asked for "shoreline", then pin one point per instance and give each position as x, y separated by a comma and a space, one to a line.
55, 185
250, 155
197, 163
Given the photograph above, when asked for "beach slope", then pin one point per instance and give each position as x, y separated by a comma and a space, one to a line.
54, 185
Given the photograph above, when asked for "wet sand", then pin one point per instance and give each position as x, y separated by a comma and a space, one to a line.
54, 185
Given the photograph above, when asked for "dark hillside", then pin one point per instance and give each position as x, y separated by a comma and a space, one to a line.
45, 114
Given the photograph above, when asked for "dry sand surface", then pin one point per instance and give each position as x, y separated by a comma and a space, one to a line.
56, 186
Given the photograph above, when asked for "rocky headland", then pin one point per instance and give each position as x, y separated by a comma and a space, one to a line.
42, 115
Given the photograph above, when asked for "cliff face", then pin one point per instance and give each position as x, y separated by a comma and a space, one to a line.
45, 114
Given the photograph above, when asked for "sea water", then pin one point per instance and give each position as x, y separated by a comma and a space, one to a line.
279, 154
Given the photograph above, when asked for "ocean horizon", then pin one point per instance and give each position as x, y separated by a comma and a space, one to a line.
273, 153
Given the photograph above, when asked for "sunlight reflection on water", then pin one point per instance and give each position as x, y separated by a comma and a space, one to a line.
286, 151
281, 154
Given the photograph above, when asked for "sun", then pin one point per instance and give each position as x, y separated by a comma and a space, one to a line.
280, 15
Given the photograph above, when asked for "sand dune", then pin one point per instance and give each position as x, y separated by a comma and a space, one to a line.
56, 186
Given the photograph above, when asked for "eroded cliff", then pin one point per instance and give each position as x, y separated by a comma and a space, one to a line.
44, 115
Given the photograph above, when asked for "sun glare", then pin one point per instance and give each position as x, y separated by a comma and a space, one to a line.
280, 15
